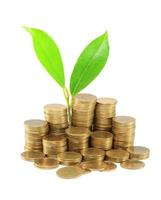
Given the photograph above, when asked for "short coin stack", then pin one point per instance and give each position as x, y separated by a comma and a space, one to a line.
104, 112
93, 154
102, 140
56, 116
83, 106
117, 155
124, 131
138, 152
78, 138
54, 144
69, 158
35, 129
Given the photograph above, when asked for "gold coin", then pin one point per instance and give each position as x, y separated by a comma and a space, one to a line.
93, 152
101, 135
54, 139
96, 159
77, 131
46, 163
122, 120
69, 172
93, 165
54, 108
117, 155
83, 97
138, 152
110, 166
132, 164
35, 124
31, 156
105, 100
69, 156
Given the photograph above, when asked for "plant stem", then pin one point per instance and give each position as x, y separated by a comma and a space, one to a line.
67, 98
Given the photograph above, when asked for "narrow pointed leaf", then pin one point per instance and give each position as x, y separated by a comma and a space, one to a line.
48, 54
89, 64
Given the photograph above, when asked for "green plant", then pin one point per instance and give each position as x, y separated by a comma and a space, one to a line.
89, 64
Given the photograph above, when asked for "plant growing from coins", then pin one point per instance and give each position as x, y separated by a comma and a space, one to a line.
89, 64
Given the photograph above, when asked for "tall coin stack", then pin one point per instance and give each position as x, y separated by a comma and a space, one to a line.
78, 138
35, 129
54, 144
83, 106
56, 116
102, 140
124, 131
104, 112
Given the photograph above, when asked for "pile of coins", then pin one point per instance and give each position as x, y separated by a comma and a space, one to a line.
56, 116
93, 154
123, 129
102, 140
104, 112
54, 144
83, 106
35, 130
78, 138
69, 158
95, 141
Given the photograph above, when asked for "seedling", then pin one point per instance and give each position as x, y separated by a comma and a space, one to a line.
89, 64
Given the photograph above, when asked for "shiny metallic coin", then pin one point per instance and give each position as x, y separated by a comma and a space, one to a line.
106, 101
101, 135
92, 152
35, 124
93, 165
132, 164
32, 156
54, 108
69, 172
123, 120
84, 97
46, 163
77, 131
69, 156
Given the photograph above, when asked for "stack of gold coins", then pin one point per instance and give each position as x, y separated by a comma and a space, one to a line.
83, 106
56, 116
93, 154
104, 112
69, 158
78, 138
138, 152
35, 129
117, 155
54, 144
124, 131
102, 140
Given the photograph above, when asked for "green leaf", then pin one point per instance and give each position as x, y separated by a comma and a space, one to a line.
89, 64
48, 54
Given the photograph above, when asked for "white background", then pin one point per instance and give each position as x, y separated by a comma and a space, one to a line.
132, 76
